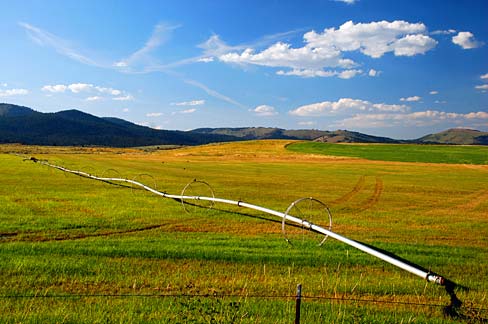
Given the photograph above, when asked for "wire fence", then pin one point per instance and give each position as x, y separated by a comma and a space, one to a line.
244, 296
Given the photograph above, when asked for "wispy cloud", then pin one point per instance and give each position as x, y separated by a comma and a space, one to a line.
443, 32
184, 112
213, 93
62, 46
307, 123
161, 33
154, 114
349, 2
142, 62
94, 98
124, 98
189, 103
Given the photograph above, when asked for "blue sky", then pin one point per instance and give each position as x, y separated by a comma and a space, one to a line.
392, 68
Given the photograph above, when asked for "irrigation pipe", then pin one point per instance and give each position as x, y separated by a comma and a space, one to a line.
427, 275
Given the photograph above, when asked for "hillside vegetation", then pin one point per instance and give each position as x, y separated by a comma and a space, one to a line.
75, 128
457, 136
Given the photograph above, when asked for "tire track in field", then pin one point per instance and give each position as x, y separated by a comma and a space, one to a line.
357, 188
373, 200
476, 200
9, 237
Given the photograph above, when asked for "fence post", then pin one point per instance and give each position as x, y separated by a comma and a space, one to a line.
298, 303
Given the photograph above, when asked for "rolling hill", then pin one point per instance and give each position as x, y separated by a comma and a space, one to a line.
255, 133
460, 136
72, 127
24, 125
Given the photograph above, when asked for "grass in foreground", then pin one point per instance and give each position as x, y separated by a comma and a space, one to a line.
399, 152
108, 253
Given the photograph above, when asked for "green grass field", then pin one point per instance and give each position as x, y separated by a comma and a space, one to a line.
399, 152
75, 250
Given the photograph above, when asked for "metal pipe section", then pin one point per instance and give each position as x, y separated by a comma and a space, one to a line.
429, 276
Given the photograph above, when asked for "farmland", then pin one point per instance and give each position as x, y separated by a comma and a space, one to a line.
78, 250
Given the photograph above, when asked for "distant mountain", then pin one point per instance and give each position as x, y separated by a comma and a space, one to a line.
73, 127
344, 136
7, 110
254, 133
460, 136
339, 136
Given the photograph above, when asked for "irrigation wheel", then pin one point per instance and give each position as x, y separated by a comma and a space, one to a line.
192, 194
310, 211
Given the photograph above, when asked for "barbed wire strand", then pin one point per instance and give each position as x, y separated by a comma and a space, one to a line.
338, 299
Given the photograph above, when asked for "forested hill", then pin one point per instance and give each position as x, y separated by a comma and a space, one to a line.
72, 127
24, 125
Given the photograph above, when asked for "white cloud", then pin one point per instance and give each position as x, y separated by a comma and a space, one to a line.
434, 92
484, 76
477, 115
125, 110
264, 111
155, 114
205, 59
374, 39
110, 91
374, 73
83, 87
344, 105
443, 32
466, 40
55, 88
79, 87
124, 98
348, 74
307, 123
310, 73
282, 55
189, 103
121, 64
186, 111
349, 2
94, 98
411, 99
13, 92
326, 49
4, 84
420, 118
482, 87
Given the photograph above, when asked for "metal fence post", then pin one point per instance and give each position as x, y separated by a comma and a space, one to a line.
298, 303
